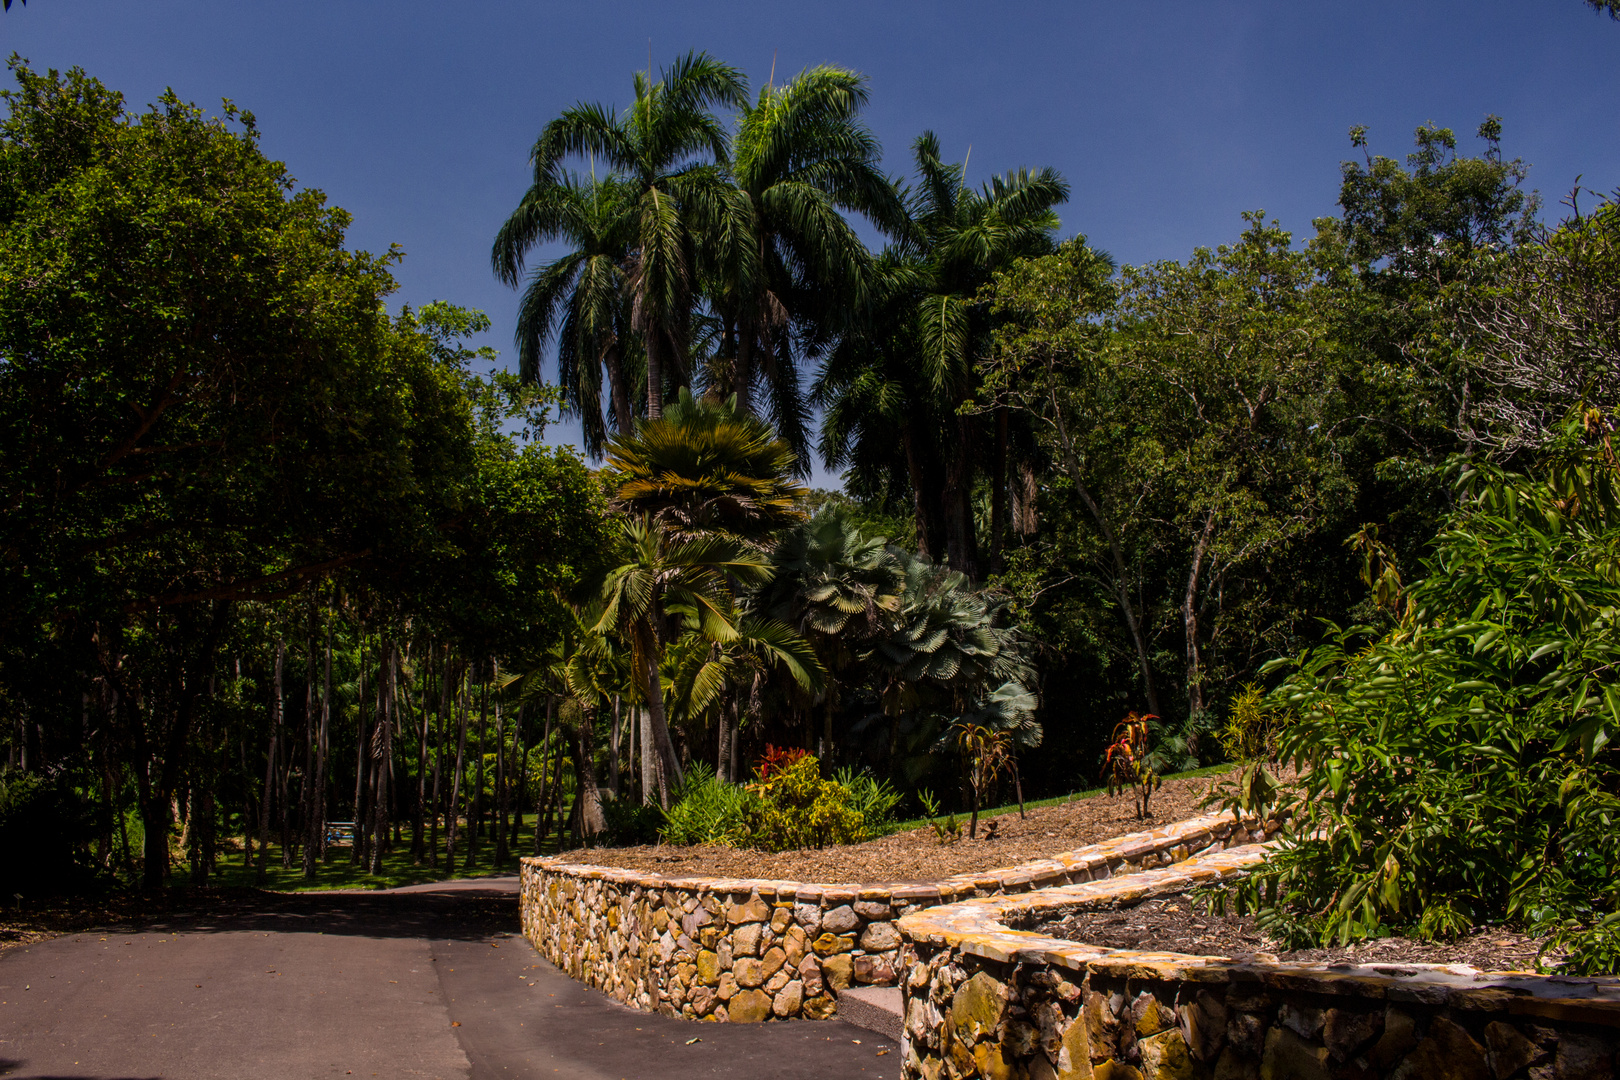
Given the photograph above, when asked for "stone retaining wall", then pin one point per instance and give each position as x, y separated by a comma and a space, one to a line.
985, 998
730, 949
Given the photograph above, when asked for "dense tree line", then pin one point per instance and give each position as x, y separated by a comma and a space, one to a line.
275, 558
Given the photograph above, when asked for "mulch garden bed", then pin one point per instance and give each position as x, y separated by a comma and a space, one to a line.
1183, 924
917, 854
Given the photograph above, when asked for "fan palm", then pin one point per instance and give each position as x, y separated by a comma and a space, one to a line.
784, 258
705, 467
840, 588
668, 150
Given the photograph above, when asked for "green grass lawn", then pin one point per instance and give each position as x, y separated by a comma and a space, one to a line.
340, 873
1057, 800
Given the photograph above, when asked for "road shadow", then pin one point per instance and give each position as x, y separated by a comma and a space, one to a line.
463, 914
9, 1067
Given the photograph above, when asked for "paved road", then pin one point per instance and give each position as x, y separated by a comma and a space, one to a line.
430, 981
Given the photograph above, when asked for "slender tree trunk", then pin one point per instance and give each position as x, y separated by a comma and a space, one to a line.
592, 822
1122, 591
998, 493
475, 819
655, 372
440, 739
452, 818
617, 738
419, 815
271, 755
306, 780
961, 550
1189, 619
540, 803
362, 759
315, 837
722, 759
383, 753
500, 776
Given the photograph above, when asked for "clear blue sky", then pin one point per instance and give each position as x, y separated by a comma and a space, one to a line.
1168, 118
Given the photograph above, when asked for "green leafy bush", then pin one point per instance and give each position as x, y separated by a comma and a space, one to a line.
44, 829
872, 798
629, 823
1460, 768
706, 810
794, 807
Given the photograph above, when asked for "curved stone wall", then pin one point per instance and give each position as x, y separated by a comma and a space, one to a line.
985, 997
730, 949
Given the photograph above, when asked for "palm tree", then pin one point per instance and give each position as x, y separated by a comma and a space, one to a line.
661, 578
582, 295
921, 360
705, 468
668, 150
784, 258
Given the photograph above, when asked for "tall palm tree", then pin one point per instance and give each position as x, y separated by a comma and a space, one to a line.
934, 330
669, 151
582, 295
783, 256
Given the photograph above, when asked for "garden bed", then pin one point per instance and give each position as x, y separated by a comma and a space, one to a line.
1182, 924
917, 854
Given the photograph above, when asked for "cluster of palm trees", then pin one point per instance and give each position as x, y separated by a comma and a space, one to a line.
729, 619
724, 256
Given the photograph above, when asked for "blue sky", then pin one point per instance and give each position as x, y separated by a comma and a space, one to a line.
1168, 118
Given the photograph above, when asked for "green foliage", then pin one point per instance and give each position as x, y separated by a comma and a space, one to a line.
1126, 764
873, 799
44, 829
707, 810
794, 807
947, 829
630, 823
1252, 727
1459, 767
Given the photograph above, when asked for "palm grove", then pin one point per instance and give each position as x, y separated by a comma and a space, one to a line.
275, 557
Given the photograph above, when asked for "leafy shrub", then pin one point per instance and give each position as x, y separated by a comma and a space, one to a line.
1252, 727
872, 798
629, 823
706, 810
1126, 765
794, 807
947, 829
1460, 768
44, 827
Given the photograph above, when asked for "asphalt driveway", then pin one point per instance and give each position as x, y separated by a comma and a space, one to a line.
430, 981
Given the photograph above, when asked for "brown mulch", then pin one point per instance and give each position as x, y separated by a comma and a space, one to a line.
1183, 924
917, 855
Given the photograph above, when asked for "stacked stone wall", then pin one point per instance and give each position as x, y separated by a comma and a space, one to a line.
985, 999
726, 949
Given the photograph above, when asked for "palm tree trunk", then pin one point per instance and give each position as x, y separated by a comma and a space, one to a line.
475, 819
618, 390
614, 744
540, 802
655, 372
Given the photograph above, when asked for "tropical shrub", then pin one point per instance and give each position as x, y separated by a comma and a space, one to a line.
872, 798
707, 810
1126, 763
1252, 727
629, 823
44, 829
1459, 768
795, 807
